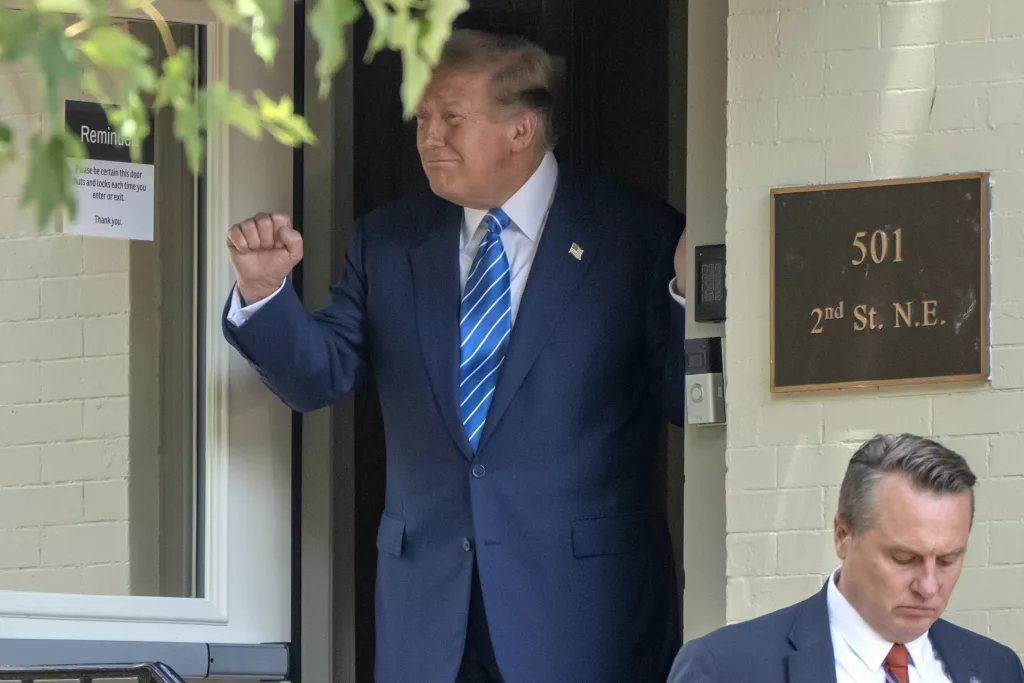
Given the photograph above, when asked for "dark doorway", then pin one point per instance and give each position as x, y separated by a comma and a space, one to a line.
614, 119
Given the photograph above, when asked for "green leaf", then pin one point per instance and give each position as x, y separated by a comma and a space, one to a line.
54, 51
381, 16
110, 47
113, 49
177, 79
131, 120
92, 86
439, 19
177, 87
405, 33
280, 119
328, 22
48, 179
55, 56
16, 32
264, 44
415, 76
94, 12
7, 153
232, 108
189, 124
80, 7
265, 15
226, 12
97, 13
419, 35
73, 147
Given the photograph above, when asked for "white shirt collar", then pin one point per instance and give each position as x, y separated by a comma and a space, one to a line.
870, 648
526, 208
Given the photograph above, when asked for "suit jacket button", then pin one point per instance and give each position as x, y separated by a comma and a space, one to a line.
467, 544
479, 471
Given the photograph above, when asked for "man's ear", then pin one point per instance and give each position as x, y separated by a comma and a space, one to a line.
525, 131
841, 536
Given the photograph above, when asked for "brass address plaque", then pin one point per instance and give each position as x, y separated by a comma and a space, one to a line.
879, 283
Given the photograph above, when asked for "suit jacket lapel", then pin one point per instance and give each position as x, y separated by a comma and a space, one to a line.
957, 662
813, 660
435, 279
554, 277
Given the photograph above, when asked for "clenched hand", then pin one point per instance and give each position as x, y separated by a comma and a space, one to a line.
263, 249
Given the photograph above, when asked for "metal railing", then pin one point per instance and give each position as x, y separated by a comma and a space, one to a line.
143, 673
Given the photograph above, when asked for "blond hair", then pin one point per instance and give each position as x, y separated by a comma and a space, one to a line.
522, 73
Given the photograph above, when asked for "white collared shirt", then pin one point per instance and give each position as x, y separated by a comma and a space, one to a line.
528, 208
860, 652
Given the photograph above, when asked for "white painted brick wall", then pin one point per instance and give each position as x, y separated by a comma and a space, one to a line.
20, 465
106, 418
752, 555
1007, 18
83, 460
21, 548
846, 90
81, 544
804, 553
836, 28
926, 23
64, 384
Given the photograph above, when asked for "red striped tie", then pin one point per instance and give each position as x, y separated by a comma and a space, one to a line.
896, 665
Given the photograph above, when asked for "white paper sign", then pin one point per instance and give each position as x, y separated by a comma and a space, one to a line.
114, 197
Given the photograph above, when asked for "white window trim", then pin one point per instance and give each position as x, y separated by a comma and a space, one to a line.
209, 619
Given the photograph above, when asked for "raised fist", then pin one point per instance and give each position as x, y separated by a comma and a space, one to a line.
263, 249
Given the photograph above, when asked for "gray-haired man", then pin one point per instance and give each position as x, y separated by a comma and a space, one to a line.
905, 511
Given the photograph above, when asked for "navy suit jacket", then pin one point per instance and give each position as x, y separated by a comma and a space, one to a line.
794, 645
559, 505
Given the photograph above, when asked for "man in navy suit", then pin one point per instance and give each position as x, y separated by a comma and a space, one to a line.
905, 511
524, 329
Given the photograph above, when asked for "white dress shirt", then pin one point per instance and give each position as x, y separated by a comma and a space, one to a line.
860, 652
528, 208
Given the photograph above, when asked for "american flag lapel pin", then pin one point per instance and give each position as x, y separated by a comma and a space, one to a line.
576, 251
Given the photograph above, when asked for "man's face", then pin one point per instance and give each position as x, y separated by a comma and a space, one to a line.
466, 142
899, 574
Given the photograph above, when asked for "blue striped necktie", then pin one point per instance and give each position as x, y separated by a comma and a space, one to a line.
485, 323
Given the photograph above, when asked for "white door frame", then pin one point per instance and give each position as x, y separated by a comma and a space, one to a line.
247, 520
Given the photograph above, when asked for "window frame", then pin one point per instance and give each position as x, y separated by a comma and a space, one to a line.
239, 531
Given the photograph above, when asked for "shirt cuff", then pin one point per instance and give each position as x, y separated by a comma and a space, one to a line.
681, 300
238, 314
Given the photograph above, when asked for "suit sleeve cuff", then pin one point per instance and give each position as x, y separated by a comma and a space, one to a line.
674, 293
238, 314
